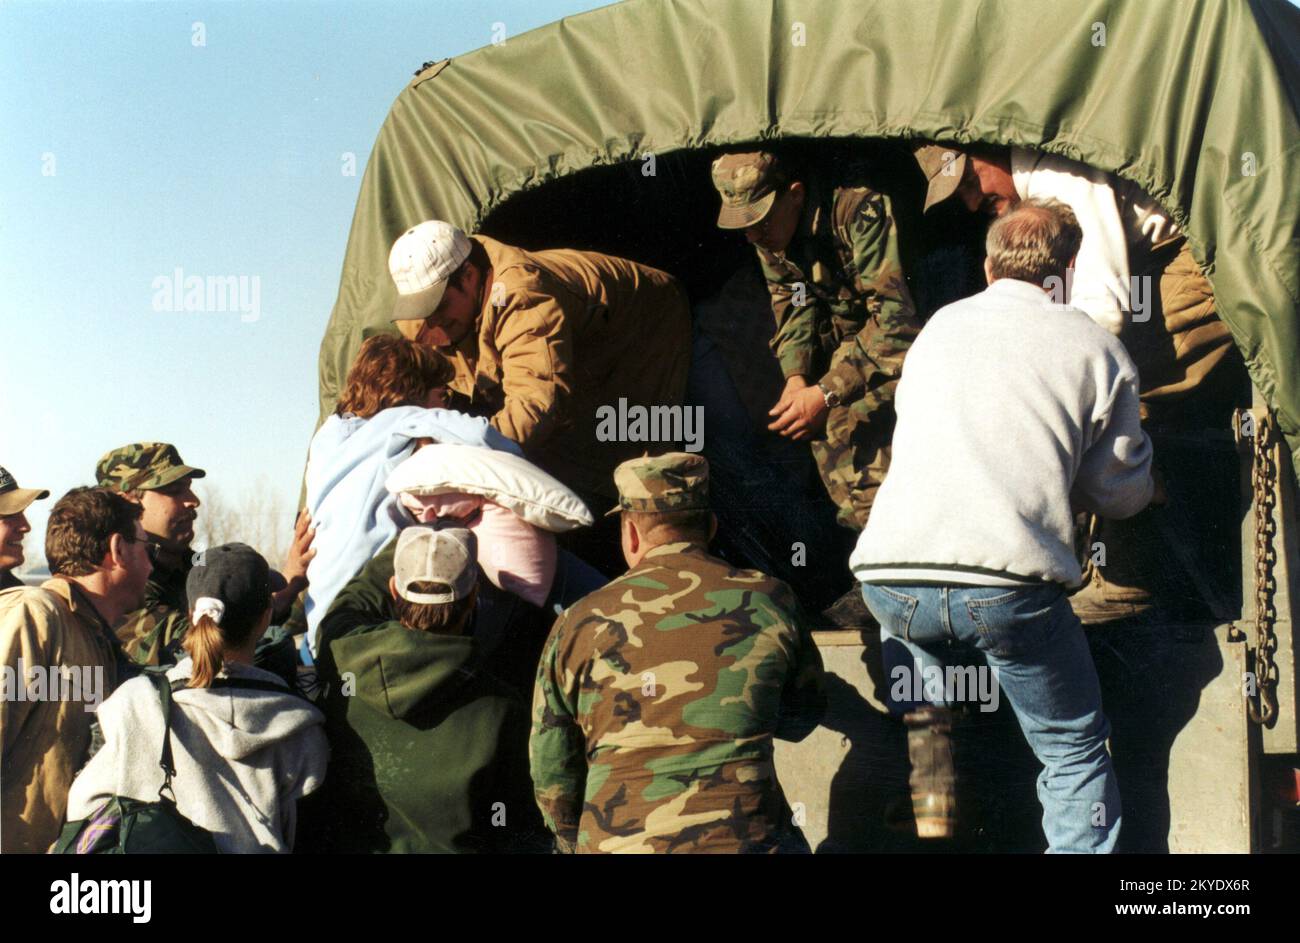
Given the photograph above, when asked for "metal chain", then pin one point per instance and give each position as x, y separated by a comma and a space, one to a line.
1262, 709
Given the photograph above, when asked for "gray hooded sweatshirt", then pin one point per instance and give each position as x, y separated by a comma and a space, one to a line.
243, 758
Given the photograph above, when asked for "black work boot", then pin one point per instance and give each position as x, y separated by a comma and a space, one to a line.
933, 778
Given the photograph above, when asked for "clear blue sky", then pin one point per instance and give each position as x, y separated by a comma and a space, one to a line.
126, 152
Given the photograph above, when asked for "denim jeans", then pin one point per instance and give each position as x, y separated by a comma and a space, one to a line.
1035, 647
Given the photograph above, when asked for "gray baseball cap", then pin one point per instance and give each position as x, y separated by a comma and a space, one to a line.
448, 556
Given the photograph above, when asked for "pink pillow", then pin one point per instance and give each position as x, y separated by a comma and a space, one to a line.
516, 556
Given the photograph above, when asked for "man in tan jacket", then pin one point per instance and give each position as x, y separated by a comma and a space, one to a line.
542, 340
61, 658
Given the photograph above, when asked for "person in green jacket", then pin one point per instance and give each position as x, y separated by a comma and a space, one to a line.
429, 745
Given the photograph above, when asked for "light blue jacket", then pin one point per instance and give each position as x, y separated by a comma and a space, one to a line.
352, 511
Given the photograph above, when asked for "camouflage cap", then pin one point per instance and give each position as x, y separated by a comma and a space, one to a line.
676, 481
13, 499
943, 166
748, 184
143, 466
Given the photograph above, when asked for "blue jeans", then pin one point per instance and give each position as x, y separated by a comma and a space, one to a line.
1035, 647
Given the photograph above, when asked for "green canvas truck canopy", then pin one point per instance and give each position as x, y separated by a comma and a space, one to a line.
1196, 101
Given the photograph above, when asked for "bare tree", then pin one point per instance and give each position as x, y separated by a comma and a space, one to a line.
216, 522
262, 520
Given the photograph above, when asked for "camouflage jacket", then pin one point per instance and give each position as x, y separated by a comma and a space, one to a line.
152, 634
856, 320
656, 702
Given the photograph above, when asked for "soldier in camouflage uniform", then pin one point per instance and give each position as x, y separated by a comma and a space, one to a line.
658, 695
153, 474
844, 316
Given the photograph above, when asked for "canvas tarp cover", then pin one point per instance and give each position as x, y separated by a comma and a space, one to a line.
1194, 100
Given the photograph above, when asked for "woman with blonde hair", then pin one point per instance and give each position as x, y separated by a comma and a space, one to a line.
244, 748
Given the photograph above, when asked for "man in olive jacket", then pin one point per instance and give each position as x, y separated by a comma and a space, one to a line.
542, 340
428, 746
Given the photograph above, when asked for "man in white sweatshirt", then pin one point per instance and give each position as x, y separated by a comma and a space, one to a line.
1135, 276
1012, 410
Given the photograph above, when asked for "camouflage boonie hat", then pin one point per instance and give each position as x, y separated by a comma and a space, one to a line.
143, 466
676, 481
13, 499
748, 184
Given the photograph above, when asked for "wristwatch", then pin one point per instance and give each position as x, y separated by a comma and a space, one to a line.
830, 396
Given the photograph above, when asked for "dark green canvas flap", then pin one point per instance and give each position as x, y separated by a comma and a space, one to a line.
1194, 101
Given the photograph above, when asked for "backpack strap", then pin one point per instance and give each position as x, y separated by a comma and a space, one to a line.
247, 684
164, 689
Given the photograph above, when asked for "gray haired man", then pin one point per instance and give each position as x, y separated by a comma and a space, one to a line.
1135, 275
1012, 410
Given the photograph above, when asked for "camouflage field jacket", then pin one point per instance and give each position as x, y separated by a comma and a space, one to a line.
152, 634
844, 315
656, 702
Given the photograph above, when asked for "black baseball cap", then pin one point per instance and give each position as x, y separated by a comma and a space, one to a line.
231, 583
14, 499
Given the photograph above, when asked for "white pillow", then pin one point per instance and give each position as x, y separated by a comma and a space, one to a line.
503, 477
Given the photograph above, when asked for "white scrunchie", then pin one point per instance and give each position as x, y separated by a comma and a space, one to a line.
214, 609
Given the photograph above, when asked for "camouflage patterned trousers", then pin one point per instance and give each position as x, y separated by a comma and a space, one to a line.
852, 460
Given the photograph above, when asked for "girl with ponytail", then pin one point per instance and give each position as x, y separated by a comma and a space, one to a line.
245, 747
230, 609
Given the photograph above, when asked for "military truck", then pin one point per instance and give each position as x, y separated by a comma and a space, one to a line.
597, 132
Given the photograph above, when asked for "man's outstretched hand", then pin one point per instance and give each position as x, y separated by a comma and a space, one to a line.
801, 411
301, 553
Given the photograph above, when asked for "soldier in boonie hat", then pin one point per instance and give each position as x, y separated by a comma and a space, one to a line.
748, 184
143, 466
675, 481
13, 525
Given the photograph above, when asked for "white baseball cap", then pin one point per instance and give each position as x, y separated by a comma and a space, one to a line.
422, 260
447, 556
